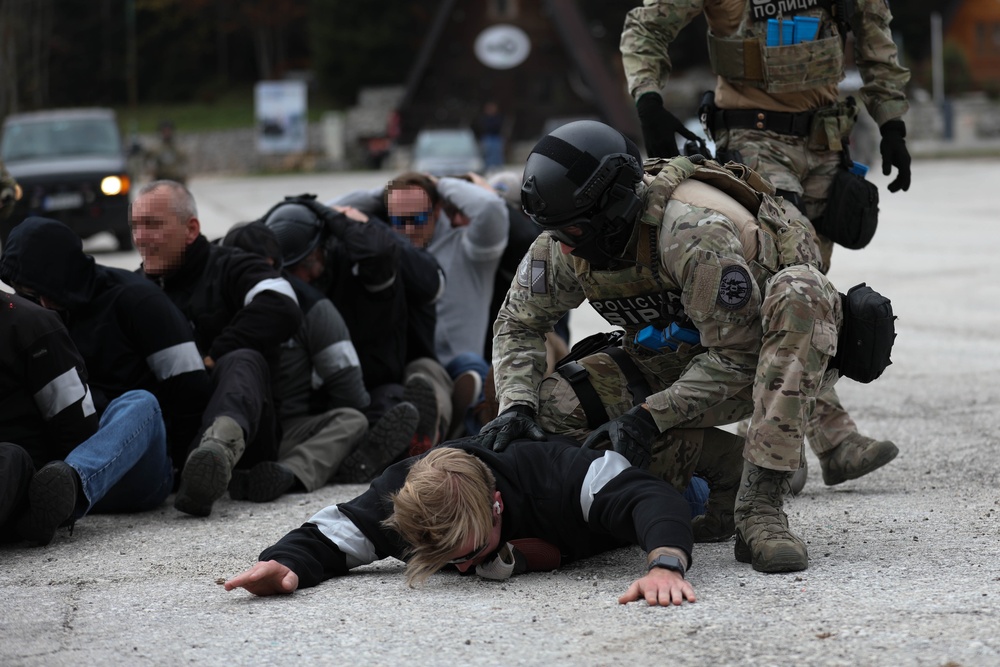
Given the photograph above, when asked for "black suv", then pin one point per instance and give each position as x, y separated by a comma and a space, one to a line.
71, 167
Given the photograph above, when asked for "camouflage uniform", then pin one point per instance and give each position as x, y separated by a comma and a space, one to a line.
767, 319
168, 162
8, 189
793, 78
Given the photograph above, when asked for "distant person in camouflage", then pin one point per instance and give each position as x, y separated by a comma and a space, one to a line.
745, 325
776, 109
8, 192
167, 161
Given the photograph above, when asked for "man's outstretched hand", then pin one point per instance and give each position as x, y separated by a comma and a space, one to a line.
659, 587
266, 578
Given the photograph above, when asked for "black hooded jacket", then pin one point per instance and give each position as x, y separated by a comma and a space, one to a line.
423, 282
129, 333
45, 406
233, 299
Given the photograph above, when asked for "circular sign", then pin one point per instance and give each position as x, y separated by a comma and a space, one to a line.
502, 46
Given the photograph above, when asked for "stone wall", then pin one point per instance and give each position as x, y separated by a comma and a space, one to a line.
974, 122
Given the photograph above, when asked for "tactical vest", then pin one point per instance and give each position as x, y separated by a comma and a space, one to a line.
745, 58
640, 295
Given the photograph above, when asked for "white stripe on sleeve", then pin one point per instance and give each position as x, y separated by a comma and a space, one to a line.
63, 392
279, 285
341, 531
175, 360
601, 471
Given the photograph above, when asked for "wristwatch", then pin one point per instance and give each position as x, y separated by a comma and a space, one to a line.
668, 563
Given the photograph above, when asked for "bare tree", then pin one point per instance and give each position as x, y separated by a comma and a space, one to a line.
25, 28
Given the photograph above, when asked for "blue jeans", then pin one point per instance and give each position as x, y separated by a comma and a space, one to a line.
124, 467
696, 494
468, 361
492, 145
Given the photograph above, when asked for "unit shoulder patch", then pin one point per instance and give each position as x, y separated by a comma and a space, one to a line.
532, 273
735, 288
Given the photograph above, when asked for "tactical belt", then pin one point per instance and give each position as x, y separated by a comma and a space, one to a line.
796, 124
579, 378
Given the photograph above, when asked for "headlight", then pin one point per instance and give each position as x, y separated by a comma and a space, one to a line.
114, 185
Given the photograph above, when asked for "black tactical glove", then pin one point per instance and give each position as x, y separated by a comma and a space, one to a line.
511, 424
631, 435
894, 154
659, 127
334, 221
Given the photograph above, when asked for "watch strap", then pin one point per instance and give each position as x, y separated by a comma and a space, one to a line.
668, 563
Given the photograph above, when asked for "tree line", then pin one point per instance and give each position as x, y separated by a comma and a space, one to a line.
57, 53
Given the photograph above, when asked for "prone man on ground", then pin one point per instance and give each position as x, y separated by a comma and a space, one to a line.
531, 507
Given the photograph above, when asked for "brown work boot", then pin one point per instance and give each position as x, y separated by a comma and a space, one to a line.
762, 535
855, 457
209, 468
721, 465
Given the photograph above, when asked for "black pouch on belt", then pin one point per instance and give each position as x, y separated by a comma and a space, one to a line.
851, 214
865, 342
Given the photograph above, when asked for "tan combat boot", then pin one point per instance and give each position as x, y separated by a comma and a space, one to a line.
209, 468
855, 457
721, 465
762, 534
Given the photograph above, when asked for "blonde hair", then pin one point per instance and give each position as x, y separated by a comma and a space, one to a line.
447, 496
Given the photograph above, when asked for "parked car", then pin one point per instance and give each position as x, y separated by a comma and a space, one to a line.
72, 167
447, 152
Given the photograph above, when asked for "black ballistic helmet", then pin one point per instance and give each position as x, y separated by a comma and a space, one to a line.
297, 229
580, 184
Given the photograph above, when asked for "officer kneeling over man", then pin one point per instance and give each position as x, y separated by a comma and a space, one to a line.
531, 507
726, 315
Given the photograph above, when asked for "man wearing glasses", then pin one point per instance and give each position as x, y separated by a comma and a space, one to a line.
528, 508
464, 224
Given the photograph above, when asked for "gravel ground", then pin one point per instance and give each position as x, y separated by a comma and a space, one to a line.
904, 566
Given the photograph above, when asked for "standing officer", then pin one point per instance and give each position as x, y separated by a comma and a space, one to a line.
167, 161
725, 312
776, 109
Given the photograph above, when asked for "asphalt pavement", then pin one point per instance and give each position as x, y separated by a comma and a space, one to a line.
904, 564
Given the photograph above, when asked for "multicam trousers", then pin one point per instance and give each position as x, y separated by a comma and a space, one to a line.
791, 165
801, 316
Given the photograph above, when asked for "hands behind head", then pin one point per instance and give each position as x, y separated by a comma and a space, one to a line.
351, 212
659, 587
265, 578
479, 180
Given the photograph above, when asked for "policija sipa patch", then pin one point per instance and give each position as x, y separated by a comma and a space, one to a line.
735, 289
531, 273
